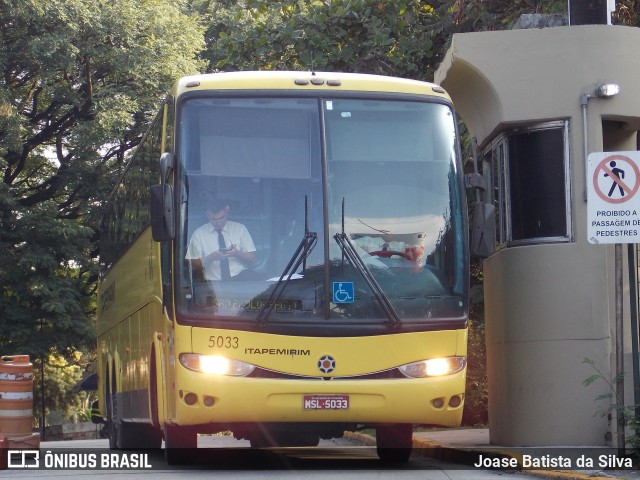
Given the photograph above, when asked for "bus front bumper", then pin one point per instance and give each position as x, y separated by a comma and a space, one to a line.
205, 399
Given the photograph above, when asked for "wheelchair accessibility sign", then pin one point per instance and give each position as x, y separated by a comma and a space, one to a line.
343, 292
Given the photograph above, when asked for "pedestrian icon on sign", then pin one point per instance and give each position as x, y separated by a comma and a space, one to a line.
616, 178
619, 174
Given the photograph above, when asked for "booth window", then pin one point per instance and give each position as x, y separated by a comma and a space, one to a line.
527, 170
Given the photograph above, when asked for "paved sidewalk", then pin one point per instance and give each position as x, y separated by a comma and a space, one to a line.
466, 445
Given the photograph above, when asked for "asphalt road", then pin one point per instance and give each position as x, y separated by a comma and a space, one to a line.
227, 458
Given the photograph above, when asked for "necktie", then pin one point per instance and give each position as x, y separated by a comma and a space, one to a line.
225, 273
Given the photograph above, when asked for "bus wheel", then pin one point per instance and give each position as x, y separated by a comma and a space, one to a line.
394, 443
139, 436
110, 430
112, 427
178, 444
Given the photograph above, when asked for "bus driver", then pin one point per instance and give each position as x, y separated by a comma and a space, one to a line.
220, 249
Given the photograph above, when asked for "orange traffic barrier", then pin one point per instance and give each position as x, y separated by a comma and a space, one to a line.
4, 453
16, 395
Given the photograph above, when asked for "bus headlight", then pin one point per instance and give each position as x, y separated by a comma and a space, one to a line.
434, 367
215, 365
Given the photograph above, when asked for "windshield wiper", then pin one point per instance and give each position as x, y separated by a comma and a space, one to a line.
355, 259
306, 246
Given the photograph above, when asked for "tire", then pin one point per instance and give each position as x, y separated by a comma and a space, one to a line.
178, 444
124, 435
394, 443
112, 424
139, 436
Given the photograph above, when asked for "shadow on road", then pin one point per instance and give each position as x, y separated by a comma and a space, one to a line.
312, 458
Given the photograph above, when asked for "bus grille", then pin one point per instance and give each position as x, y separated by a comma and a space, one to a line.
393, 373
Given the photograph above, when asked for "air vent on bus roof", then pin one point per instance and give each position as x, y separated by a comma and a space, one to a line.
317, 81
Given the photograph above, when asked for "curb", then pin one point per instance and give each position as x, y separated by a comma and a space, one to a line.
469, 456
363, 438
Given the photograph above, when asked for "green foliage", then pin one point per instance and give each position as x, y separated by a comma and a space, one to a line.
80, 80
84, 414
627, 13
366, 36
405, 38
629, 413
61, 402
476, 408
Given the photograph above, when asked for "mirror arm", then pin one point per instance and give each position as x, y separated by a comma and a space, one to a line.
166, 167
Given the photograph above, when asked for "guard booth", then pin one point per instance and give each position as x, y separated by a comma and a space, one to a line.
534, 100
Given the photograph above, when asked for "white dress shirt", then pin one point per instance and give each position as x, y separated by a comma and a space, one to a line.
205, 241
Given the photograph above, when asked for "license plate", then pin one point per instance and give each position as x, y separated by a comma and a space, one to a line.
325, 402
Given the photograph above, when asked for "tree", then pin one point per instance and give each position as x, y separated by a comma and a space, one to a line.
627, 13
62, 404
80, 80
367, 36
405, 38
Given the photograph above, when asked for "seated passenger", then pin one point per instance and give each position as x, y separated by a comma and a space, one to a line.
220, 249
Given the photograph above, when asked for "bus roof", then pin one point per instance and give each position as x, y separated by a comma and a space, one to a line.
285, 80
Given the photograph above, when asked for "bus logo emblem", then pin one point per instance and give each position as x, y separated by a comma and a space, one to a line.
326, 364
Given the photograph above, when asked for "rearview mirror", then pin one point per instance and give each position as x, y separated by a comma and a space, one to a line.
161, 210
483, 230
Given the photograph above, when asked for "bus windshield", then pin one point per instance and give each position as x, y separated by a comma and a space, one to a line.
327, 210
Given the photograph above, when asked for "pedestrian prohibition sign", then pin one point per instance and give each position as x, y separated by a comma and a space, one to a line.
613, 201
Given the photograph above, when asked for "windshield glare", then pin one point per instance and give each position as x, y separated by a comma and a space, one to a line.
255, 243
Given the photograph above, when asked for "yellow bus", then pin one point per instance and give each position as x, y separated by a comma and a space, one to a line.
286, 258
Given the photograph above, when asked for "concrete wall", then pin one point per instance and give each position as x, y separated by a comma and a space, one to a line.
548, 306
73, 431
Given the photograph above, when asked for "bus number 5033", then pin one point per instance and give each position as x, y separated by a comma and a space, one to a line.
216, 341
